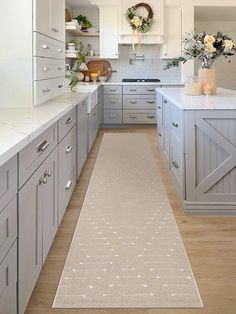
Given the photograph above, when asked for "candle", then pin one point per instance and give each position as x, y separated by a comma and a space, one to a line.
207, 89
193, 87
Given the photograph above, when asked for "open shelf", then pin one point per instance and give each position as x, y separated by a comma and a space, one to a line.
74, 31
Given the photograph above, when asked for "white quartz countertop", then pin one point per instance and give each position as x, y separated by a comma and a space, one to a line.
225, 99
20, 126
143, 83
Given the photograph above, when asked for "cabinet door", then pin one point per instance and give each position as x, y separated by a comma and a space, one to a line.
42, 17
30, 237
49, 201
173, 31
58, 19
82, 135
109, 29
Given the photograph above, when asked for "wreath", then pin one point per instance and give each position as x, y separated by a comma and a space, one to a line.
139, 23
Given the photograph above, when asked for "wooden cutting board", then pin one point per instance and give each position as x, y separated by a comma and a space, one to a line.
102, 66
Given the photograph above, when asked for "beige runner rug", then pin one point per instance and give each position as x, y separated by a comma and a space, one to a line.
126, 251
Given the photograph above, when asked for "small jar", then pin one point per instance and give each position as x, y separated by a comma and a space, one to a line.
193, 87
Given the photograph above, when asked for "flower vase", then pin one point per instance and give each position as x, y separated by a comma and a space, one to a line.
207, 77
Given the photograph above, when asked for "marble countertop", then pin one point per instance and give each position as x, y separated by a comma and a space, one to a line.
142, 83
20, 126
225, 99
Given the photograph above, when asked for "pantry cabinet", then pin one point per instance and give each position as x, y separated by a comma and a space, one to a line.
37, 225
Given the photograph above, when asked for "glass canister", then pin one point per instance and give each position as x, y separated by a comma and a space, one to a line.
193, 86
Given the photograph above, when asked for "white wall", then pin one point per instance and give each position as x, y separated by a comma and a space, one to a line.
226, 72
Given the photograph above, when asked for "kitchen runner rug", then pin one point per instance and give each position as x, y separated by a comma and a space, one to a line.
126, 251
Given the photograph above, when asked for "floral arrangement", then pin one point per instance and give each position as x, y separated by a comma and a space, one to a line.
204, 47
139, 23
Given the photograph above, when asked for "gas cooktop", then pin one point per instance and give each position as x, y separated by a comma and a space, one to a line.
140, 80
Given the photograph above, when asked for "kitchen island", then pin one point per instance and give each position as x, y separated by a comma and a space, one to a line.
197, 137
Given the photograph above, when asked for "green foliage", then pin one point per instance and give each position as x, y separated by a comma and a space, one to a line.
137, 22
82, 19
204, 47
71, 75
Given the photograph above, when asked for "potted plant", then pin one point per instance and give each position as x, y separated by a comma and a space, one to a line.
72, 44
83, 21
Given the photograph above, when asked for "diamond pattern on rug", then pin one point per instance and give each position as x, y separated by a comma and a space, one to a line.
126, 251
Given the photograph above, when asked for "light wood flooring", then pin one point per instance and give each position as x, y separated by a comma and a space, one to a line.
210, 242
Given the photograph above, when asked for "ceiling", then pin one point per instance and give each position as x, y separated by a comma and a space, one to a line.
78, 3
205, 13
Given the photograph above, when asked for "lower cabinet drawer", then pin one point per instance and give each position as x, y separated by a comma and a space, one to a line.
112, 101
8, 182
45, 90
144, 102
112, 116
8, 281
139, 117
45, 68
36, 152
66, 123
8, 227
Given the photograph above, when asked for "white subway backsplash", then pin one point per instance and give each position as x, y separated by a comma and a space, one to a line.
152, 67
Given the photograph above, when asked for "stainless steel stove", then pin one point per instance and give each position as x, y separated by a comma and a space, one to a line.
127, 80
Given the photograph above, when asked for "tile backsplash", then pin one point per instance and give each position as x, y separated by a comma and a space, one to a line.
152, 67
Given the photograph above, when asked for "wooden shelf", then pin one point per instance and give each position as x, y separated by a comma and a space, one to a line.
75, 56
74, 31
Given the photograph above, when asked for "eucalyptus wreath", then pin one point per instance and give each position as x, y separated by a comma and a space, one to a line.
139, 23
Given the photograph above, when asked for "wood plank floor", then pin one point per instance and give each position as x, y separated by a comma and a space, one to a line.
210, 243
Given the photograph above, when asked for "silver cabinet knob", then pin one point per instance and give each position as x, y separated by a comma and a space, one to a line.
44, 46
43, 181
45, 68
46, 90
69, 149
175, 164
69, 184
175, 124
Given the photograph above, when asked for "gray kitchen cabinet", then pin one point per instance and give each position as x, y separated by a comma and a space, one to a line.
93, 126
112, 104
37, 225
67, 171
139, 104
8, 282
82, 135
66, 123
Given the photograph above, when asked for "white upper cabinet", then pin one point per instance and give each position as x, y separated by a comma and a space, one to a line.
108, 32
49, 18
173, 32
155, 35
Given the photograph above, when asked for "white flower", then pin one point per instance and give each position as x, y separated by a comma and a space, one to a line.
228, 45
209, 39
137, 21
209, 48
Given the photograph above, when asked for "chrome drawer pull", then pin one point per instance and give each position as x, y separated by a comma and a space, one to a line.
165, 101
84, 102
47, 90
112, 90
42, 147
151, 90
69, 149
175, 164
43, 181
45, 46
159, 134
175, 124
68, 186
133, 90
133, 102
133, 117
112, 102
151, 102
47, 174
60, 85
112, 116
69, 121
59, 50
151, 117
45, 68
